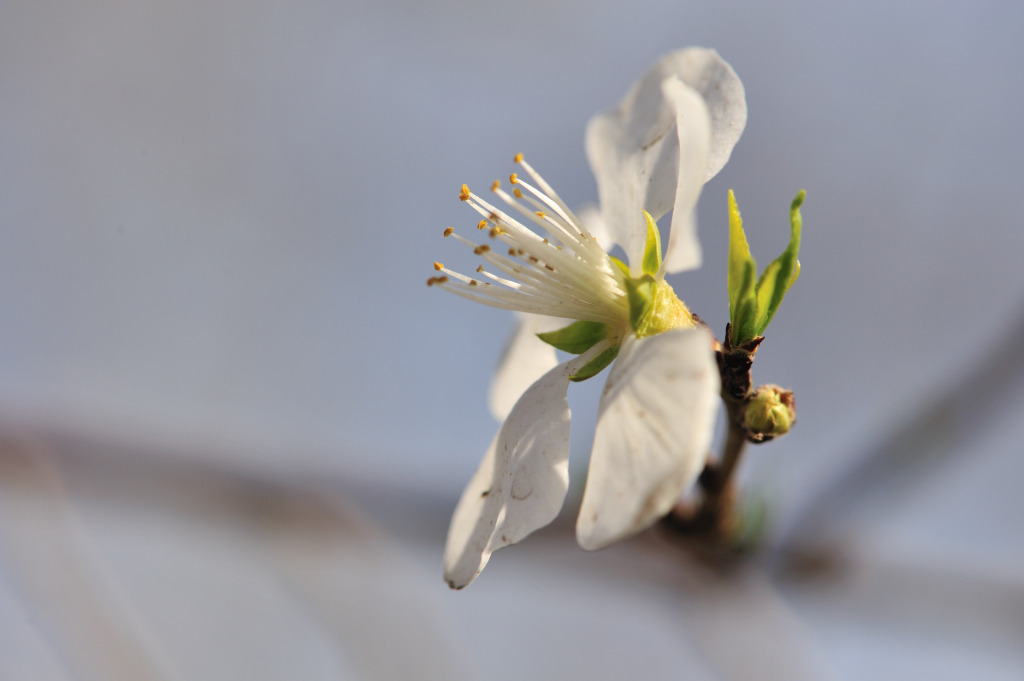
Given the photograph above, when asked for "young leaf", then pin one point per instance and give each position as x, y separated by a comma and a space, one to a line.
652, 250
743, 325
576, 338
781, 273
741, 265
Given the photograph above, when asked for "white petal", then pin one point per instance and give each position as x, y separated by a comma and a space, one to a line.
521, 482
693, 128
654, 429
593, 221
525, 359
635, 158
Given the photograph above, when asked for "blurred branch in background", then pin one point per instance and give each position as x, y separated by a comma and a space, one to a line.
877, 479
339, 567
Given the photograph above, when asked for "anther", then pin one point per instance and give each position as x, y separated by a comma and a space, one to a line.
464, 194
448, 231
518, 158
438, 266
518, 193
494, 217
550, 267
541, 215
472, 282
431, 281
495, 185
480, 269
481, 249
442, 280
495, 231
513, 178
481, 224
512, 251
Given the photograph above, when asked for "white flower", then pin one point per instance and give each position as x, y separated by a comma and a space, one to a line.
674, 130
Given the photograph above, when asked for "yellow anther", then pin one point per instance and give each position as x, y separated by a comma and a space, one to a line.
472, 282
518, 193
481, 249
513, 178
481, 224
518, 158
541, 215
493, 217
442, 280
480, 269
511, 251
438, 266
495, 185
431, 281
464, 194
448, 231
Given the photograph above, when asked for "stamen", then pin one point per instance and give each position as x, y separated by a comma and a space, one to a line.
577, 282
448, 231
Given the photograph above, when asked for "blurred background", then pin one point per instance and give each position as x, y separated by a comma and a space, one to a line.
234, 421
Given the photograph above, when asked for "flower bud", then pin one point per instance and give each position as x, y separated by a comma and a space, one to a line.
769, 412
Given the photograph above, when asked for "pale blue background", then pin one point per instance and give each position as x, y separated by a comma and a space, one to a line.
217, 218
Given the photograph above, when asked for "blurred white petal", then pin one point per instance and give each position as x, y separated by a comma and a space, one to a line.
654, 428
633, 154
521, 482
693, 128
525, 359
590, 216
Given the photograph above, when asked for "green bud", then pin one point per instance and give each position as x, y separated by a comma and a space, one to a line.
769, 412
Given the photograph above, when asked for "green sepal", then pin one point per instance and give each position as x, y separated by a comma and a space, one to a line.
640, 293
781, 273
652, 249
596, 365
576, 338
623, 267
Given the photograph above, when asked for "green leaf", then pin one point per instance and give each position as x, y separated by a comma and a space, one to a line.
640, 293
576, 338
596, 365
623, 267
745, 314
781, 273
742, 271
652, 249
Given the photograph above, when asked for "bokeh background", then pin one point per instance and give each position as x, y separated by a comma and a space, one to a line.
234, 420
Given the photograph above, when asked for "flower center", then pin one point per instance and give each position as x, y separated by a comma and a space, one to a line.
561, 271
556, 267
